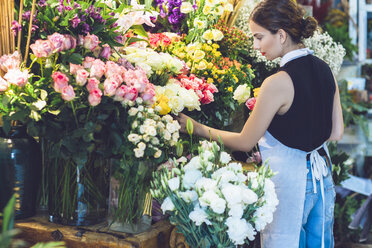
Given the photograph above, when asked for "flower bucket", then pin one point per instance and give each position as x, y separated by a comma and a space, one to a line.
77, 193
130, 201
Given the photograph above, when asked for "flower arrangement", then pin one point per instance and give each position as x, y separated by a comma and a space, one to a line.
213, 201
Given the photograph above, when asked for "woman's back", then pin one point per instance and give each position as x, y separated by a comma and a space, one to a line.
308, 122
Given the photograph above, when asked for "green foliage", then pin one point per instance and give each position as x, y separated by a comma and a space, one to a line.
340, 169
341, 35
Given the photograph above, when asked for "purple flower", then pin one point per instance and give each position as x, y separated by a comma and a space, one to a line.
26, 16
16, 27
119, 39
173, 19
85, 28
127, 65
77, 6
34, 28
42, 3
75, 21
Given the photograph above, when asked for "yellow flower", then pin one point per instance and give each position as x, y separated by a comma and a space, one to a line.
210, 65
219, 10
210, 80
230, 89
181, 55
162, 104
236, 79
255, 91
215, 46
207, 9
199, 55
208, 35
199, 24
217, 54
188, 63
191, 48
217, 35
202, 65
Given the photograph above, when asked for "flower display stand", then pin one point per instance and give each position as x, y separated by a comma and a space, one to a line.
38, 229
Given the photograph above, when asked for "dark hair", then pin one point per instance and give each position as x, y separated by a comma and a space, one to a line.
284, 14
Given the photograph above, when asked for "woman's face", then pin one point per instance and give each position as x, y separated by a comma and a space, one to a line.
266, 42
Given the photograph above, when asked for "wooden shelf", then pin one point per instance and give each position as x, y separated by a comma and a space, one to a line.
38, 229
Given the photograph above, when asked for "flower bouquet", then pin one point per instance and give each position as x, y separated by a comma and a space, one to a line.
212, 201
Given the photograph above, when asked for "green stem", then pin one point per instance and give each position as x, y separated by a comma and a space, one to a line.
90, 109
74, 112
41, 66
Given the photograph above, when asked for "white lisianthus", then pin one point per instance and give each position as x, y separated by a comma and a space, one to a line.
236, 210
186, 7
218, 205
189, 196
219, 10
138, 152
199, 24
239, 230
229, 7
242, 93
207, 9
232, 193
248, 195
236, 167
190, 177
217, 34
225, 157
167, 205
199, 216
174, 183
208, 35
206, 184
194, 164
264, 216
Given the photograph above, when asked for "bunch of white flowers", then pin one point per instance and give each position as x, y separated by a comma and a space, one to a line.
151, 61
211, 200
242, 93
179, 97
150, 133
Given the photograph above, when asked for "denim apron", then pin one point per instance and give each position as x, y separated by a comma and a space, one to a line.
290, 183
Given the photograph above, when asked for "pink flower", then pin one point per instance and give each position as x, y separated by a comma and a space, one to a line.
68, 93
95, 97
88, 62
80, 40
106, 51
97, 51
8, 62
125, 93
207, 98
110, 86
91, 41
92, 84
69, 42
42, 48
132, 94
57, 41
81, 77
211, 87
60, 81
136, 78
149, 93
113, 68
250, 103
74, 68
4, 85
98, 69
17, 77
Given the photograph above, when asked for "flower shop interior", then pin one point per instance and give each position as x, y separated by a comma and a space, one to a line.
91, 150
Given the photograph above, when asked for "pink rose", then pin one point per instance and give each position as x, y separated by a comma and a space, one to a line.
68, 93
92, 84
120, 92
4, 85
69, 42
149, 94
80, 40
88, 62
57, 41
112, 68
95, 97
106, 51
60, 81
211, 87
74, 68
132, 94
97, 51
98, 69
250, 103
81, 77
8, 62
91, 41
110, 86
17, 77
207, 98
42, 48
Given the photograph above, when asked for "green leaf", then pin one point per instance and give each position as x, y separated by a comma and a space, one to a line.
98, 28
138, 29
50, 245
6, 125
35, 115
18, 116
8, 215
54, 112
43, 94
75, 58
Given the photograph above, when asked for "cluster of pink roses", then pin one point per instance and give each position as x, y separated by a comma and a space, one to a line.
62, 42
250, 103
10, 64
121, 84
203, 89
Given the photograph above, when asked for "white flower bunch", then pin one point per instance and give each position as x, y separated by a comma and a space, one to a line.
150, 133
212, 198
179, 97
151, 61
326, 49
242, 93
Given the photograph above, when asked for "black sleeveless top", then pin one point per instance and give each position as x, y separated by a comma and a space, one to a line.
308, 122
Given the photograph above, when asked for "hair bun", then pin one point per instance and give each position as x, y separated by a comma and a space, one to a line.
309, 25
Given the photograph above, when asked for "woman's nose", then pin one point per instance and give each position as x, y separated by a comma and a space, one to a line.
256, 46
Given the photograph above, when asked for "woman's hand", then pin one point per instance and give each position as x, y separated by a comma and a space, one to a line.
182, 120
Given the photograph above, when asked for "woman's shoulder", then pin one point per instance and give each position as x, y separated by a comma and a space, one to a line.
280, 81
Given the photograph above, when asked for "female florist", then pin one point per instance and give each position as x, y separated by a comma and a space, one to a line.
144, 124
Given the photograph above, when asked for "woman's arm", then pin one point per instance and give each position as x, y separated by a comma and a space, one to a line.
337, 118
275, 92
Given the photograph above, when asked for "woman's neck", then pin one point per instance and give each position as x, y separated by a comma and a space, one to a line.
291, 48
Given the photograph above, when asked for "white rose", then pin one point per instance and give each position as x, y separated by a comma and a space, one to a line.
242, 93
134, 138
157, 154
133, 111
155, 141
238, 230
167, 135
217, 34
167, 205
138, 153
151, 131
139, 100
141, 146
225, 157
174, 183
199, 216
189, 196
146, 138
146, 68
190, 177
176, 104
186, 7
140, 108
134, 124
171, 127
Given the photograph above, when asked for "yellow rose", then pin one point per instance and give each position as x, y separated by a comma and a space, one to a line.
210, 80
202, 65
181, 55
208, 35
215, 46
162, 102
255, 91
188, 63
191, 48
210, 65
230, 89
236, 79
199, 55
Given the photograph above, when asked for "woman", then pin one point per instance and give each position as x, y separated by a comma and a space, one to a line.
298, 109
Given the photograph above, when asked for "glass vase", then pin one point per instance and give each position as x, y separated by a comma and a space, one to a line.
20, 171
78, 193
130, 201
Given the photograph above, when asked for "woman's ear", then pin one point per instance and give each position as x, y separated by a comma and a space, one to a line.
282, 36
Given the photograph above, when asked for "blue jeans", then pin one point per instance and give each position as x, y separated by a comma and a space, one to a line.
312, 222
